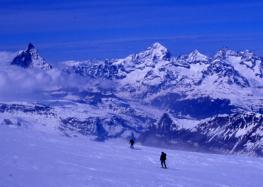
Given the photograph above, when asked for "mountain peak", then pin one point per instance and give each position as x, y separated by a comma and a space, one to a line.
32, 49
30, 46
195, 53
196, 56
166, 124
224, 53
247, 53
30, 58
158, 51
158, 45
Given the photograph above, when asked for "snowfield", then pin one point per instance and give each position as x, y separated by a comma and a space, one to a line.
30, 158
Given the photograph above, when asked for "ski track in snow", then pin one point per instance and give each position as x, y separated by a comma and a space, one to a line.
31, 158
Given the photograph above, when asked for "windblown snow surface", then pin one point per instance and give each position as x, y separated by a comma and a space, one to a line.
30, 158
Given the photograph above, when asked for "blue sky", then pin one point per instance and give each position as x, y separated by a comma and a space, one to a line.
115, 28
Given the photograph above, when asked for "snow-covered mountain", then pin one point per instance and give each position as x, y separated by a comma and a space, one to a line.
154, 73
30, 58
242, 132
128, 96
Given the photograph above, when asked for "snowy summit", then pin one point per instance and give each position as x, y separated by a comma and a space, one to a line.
196, 56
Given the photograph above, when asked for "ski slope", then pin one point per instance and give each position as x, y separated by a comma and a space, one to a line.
30, 158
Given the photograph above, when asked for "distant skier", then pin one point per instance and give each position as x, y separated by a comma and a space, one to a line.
163, 159
132, 143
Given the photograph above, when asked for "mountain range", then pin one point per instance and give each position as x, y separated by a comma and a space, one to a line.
193, 101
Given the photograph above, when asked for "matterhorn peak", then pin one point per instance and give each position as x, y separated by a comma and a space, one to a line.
31, 49
30, 58
30, 46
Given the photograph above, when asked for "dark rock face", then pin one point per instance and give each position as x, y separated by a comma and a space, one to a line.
165, 125
30, 59
23, 59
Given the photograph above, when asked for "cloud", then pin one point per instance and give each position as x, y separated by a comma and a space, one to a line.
19, 84
16, 82
6, 57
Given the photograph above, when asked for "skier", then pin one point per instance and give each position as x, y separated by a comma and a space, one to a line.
163, 159
132, 143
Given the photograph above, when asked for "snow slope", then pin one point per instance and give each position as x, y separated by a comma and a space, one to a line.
30, 158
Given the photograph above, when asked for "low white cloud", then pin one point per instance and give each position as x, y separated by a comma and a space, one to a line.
17, 83
6, 57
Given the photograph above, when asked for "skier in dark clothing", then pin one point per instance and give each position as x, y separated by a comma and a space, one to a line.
132, 143
163, 159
